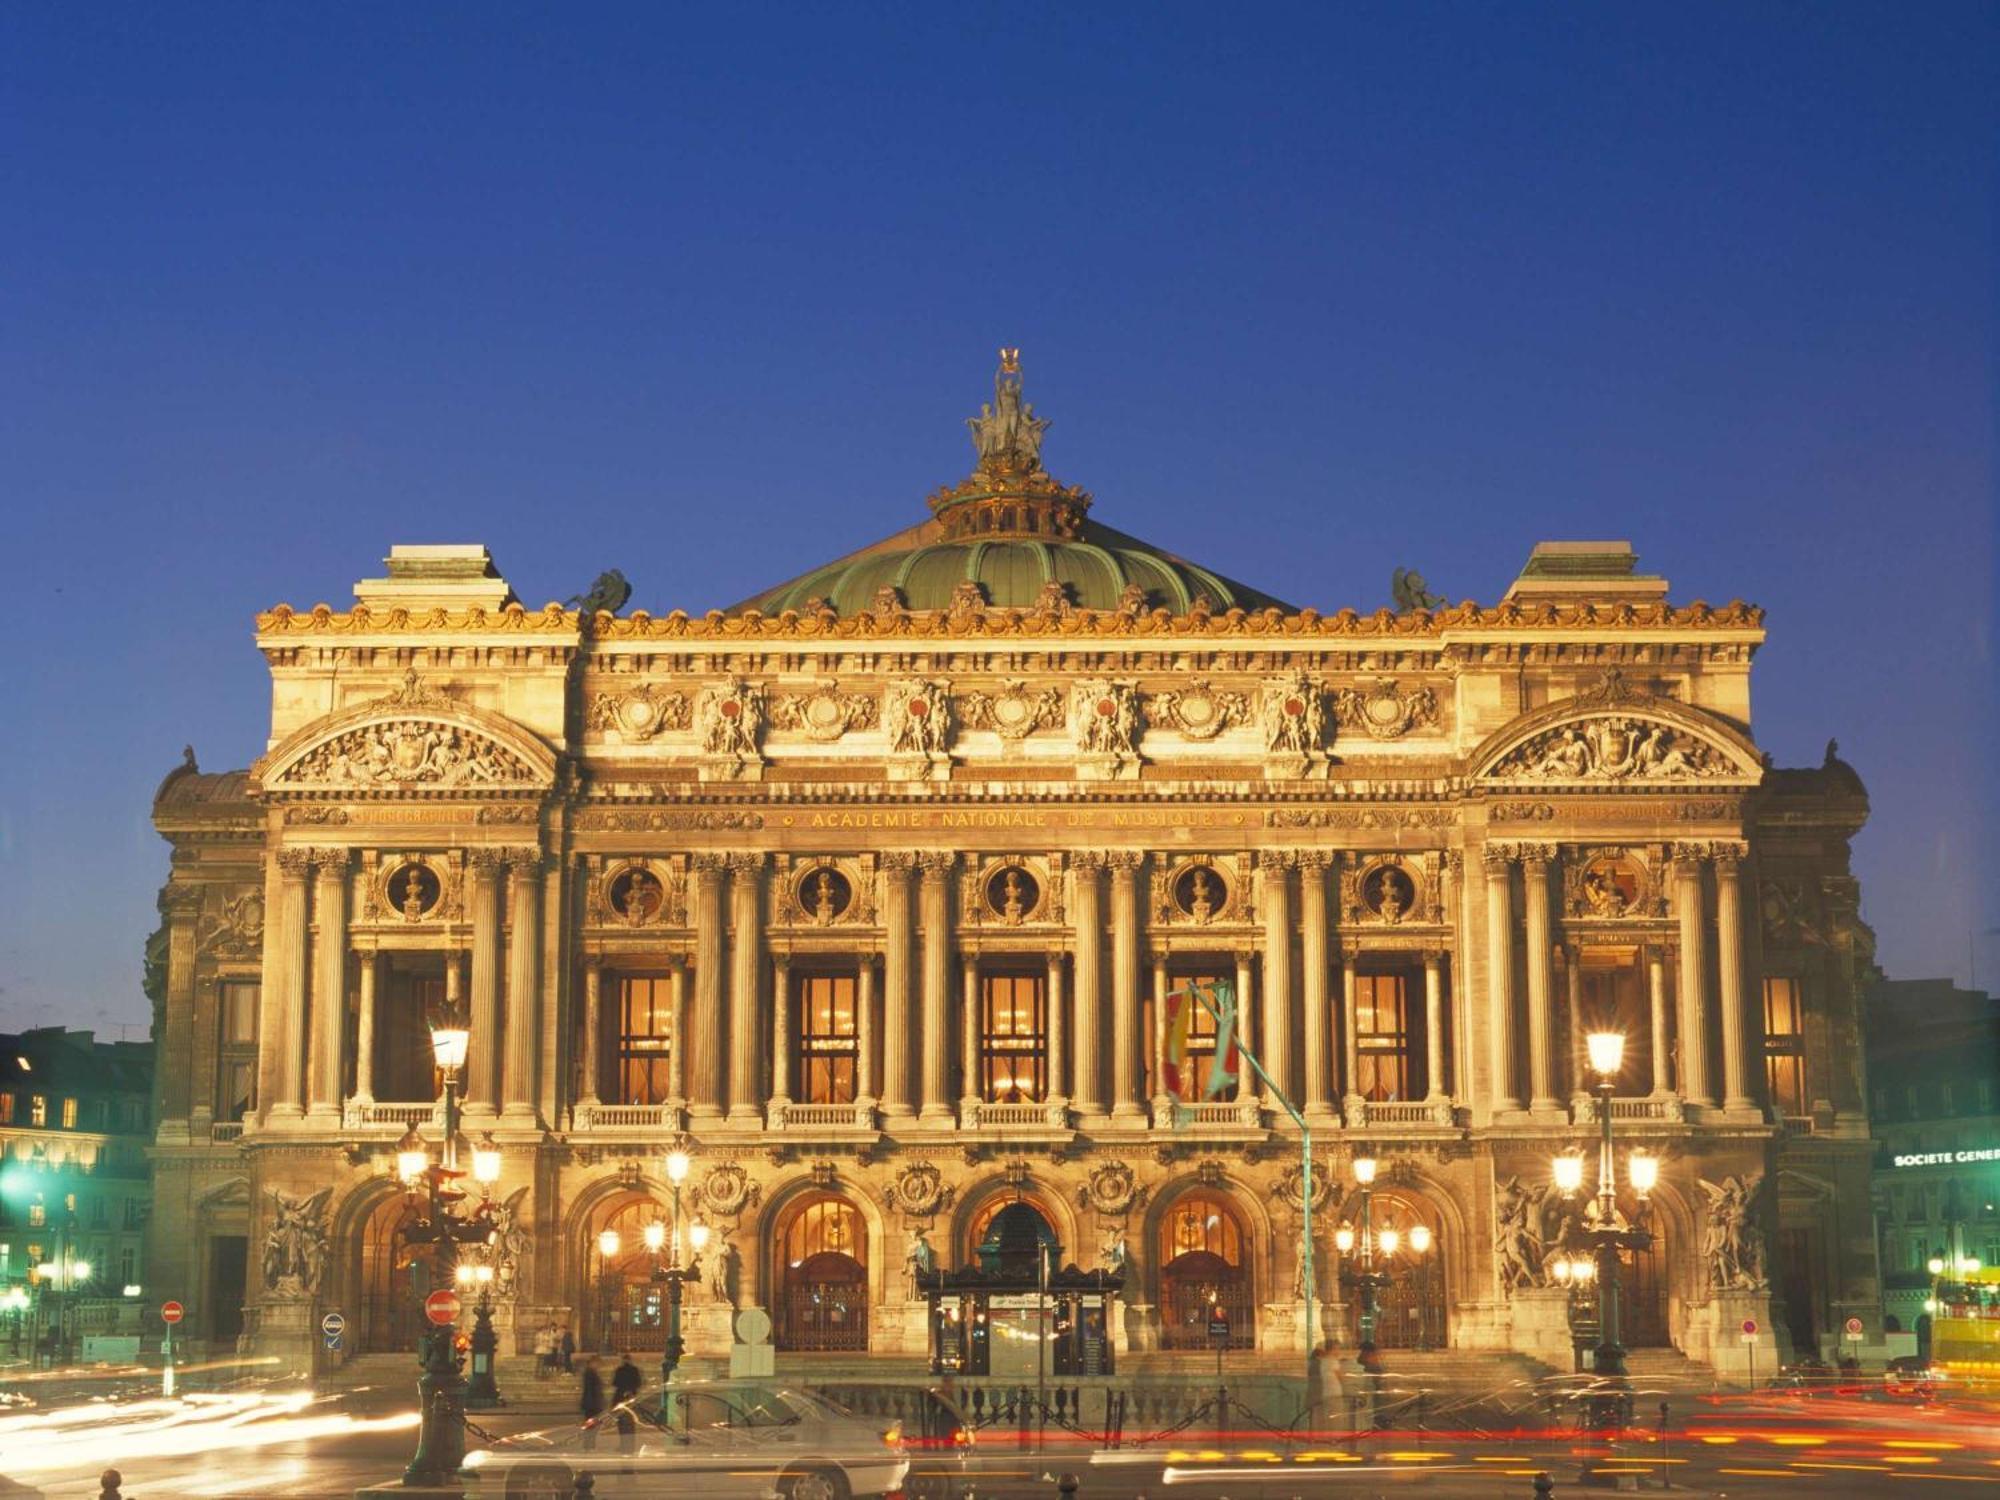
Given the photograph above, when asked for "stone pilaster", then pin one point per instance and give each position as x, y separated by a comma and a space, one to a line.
287, 981
482, 1067
706, 1046
1729, 975
364, 1033
1087, 919
1500, 975
1693, 969
746, 964
181, 904
1313, 925
1656, 994
1058, 1032
677, 1059
865, 1085
593, 1035
1541, 981
524, 986
970, 1091
783, 1033
896, 939
1434, 1024
1248, 1024
1124, 866
934, 918
329, 989
1276, 906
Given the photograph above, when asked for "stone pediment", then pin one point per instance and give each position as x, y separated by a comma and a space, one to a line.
416, 741
1618, 735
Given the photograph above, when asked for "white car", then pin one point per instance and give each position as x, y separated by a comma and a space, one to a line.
725, 1440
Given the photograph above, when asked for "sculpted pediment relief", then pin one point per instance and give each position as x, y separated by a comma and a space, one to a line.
1617, 734
414, 740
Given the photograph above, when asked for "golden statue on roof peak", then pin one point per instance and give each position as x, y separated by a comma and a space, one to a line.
1007, 434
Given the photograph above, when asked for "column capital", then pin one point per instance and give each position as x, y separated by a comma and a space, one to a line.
1729, 858
485, 861
180, 900
1275, 861
1087, 861
707, 862
524, 862
1314, 860
1124, 861
1244, 957
1688, 858
936, 864
1452, 861
898, 861
295, 862
1496, 858
747, 862
1433, 956
1535, 858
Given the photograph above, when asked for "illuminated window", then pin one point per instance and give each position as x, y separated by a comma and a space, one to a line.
1381, 1037
1201, 1030
645, 1039
1785, 1046
6, 1109
236, 1060
38, 1214
826, 1226
69, 1114
38, 1109
829, 1037
1013, 1038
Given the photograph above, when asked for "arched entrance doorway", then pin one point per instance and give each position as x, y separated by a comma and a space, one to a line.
1202, 1274
1009, 1229
393, 1277
822, 1276
623, 1306
1411, 1304
1642, 1283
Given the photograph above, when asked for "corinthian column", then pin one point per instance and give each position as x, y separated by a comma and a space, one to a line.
865, 1084
934, 917
364, 1035
1350, 1032
704, 1033
593, 1021
482, 1066
1277, 1033
1541, 1006
180, 1052
1434, 1023
677, 1056
285, 981
1124, 865
1312, 943
1087, 917
970, 1091
896, 867
524, 986
782, 1031
1500, 974
1656, 992
1246, 1076
329, 1001
1058, 1032
1693, 976
1729, 964
746, 965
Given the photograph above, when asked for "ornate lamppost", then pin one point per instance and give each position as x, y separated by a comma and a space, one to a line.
609, 1243
1379, 1250
440, 1389
482, 1392
1605, 1233
675, 1274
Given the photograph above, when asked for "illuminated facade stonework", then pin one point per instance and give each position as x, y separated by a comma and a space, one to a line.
869, 891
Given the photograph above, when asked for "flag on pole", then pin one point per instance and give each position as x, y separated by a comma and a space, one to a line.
1180, 1012
1224, 1065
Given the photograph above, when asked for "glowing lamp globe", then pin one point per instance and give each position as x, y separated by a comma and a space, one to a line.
1935, 1265
1343, 1239
607, 1243
486, 1162
1568, 1172
655, 1236
448, 1046
1607, 1051
1420, 1238
677, 1167
1364, 1170
1389, 1239
1644, 1170
698, 1236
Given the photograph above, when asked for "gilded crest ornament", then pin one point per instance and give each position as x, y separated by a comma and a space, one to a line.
1293, 713
729, 721
1014, 712
1104, 724
727, 1190
408, 753
1616, 747
1382, 711
1112, 1190
1198, 711
919, 1190
238, 930
916, 713
639, 715
824, 714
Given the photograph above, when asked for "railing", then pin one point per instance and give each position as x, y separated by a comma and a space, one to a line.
1801, 1125
225, 1130
624, 1116
822, 1117
1401, 1112
980, 1115
1231, 1114
368, 1112
1645, 1109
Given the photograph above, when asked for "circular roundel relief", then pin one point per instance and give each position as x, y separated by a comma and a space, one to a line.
824, 893
638, 715
414, 890
730, 709
1200, 893
1013, 893
1388, 892
753, 1325
1609, 886
636, 895
1107, 708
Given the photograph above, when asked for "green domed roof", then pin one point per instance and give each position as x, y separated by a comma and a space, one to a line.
1014, 533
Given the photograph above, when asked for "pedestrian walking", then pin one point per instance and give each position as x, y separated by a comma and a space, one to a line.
566, 1347
545, 1352
625, 1382
591, 1403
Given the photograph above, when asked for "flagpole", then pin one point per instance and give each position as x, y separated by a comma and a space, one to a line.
1305, 1180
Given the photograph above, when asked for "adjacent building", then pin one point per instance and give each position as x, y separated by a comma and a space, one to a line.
1933, 1073
76, 1124
873, 892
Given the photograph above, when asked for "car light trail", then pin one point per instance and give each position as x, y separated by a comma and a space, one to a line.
125, 1434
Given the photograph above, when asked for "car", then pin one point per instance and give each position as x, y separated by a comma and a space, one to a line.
723, 1440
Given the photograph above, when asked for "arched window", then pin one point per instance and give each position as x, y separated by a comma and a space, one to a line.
1203, 1279
822, 1276
627, 1307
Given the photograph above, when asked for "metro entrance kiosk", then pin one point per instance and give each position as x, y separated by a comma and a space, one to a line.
995, 1317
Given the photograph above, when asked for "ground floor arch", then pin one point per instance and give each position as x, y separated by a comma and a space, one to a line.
393, 1274
820, 1275
622, 1304
1412, 1308
1206, 1275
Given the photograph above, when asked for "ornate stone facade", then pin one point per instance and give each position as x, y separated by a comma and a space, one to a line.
876, 910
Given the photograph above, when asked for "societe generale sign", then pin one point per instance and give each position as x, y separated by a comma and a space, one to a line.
1947, 1158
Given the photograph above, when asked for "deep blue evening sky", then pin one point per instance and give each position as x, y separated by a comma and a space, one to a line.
704, 293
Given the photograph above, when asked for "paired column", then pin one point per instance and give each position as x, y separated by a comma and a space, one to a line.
896, 867
677, 1053
285, 978
1500, 974
593, 1034
1434, 1023
1087, 917
364, 1034
1277, 1035
704, 1033
1312, 943
482, 1068
180, 1049
1695, 1086
1729, 972
329, 999
1350, 1033
1579, 1049
1058, 1032
1157, 1043
970, 1090
865, 1086
1124, 866
782, 1031
746, 964
1656, 990
934, 916
1246, 1015
1541, 980
524, 986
